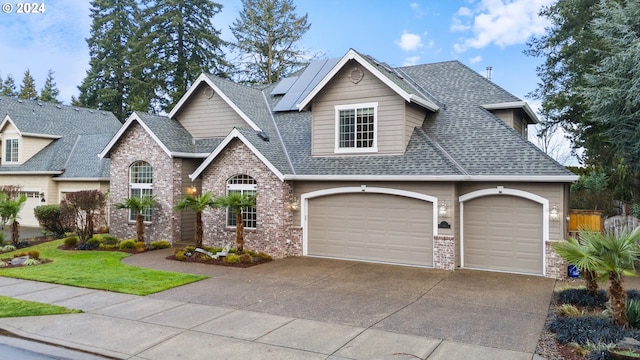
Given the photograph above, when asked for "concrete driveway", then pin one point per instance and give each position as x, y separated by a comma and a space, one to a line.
495, 310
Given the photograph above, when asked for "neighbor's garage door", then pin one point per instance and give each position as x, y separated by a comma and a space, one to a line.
503, 233
374, 227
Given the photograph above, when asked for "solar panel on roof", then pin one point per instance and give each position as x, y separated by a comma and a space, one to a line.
303, 85
284, 85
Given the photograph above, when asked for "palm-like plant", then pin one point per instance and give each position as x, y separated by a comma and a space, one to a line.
237, 202
581, 255
9, 210
138, 204
617, 256
196, 204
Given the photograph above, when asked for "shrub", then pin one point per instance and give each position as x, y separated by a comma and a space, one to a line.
190, 248
30, 262
633, 295
581, 297
633, 313
568, 310
587, 329
23, 244
89, 245
264, 256
245, 258
231, 259
160, 244
71, 241
140, 246
94, 243
128, 244
34, 254
49, 218
180, 255
3, 264
8, 248
105, 239
104, 246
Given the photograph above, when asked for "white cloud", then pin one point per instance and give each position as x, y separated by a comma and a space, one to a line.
475, 60
410, 42
412, 60
415, 6
499, 22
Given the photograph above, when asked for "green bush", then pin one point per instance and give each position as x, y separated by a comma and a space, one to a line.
633, 313
180, 255
160, 244
71, 241
190, 248
104, 246
231, 259
128, 244
264, 256
49, 218
93, 243
105, 239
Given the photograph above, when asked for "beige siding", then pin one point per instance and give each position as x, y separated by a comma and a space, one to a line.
341, 91
30, 146
414, 118
206, 116
35, 183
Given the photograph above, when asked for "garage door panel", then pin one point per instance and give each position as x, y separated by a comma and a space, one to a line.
376, 227
503, 233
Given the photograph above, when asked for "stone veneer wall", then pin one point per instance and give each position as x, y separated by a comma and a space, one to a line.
556, 266
134, 145
274, 218
444, 252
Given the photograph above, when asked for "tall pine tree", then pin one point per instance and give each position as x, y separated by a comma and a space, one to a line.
181, 42
108, 83
9, 87
266, 34
50, 92
28, 88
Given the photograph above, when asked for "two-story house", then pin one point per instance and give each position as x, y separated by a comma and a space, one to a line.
423, 165
49, 150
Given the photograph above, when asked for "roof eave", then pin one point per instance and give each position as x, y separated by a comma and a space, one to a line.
177, 154
101, 179
433, 178
523, 105
133, 117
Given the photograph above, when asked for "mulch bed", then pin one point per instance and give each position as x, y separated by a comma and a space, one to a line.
199, 260
9, 266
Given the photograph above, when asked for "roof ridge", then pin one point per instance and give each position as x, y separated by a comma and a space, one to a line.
435, 144
284, 147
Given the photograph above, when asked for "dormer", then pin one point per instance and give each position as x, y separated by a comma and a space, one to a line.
18, 147
359, 107
518, 115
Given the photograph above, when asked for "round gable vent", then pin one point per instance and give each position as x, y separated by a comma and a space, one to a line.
356, 75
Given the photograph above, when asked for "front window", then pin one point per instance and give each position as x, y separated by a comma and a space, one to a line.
356, 128
244, 184
11, 150
140, 185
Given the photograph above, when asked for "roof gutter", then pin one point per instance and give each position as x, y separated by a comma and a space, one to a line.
31, 172
189, 155
450, 178
81, 179
514, 105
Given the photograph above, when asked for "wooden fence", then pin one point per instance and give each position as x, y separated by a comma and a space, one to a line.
585, 219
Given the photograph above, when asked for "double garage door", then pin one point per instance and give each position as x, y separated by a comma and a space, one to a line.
503, 233
371, 227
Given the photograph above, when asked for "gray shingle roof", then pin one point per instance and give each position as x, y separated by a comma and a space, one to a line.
173, 135
83, 133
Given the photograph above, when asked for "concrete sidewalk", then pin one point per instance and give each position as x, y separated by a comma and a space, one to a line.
300, 308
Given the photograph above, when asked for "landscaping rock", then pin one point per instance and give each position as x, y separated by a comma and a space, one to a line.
18, 260
628, 343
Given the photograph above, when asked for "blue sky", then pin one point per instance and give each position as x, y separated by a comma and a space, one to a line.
479, 33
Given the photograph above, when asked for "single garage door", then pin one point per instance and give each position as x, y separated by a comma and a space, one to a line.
373, 227
503, 233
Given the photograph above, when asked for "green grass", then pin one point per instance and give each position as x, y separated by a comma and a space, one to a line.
15, 308
100, 270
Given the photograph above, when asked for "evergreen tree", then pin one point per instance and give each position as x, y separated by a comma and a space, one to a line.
50, 92
9, 87
75, 101
28, 88
266, 33
181, 43
107, 85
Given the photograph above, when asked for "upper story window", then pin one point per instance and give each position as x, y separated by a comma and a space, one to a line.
140, 185
243, 184
11, 149
356, 128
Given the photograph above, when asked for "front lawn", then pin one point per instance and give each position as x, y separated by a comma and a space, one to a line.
16, 308
100, 270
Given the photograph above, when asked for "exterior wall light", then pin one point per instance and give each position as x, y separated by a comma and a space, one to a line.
442, 211
192, 190
554, 215
294, 206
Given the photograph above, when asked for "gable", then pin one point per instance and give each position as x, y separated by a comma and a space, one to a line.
354, 84
205, 114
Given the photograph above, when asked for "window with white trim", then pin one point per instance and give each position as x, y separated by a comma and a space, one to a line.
140, 185
11, 149
356, 128
244, 184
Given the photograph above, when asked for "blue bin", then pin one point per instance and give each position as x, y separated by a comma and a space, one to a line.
573, 271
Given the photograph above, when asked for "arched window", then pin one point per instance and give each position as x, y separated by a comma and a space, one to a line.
140, 184
243, 184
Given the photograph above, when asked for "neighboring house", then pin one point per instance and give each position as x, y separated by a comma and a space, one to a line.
425, 165
51, 149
